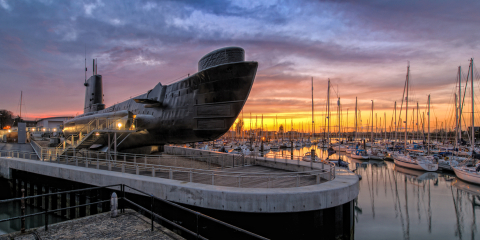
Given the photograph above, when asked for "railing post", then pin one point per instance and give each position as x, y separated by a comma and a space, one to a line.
123, 167
151, 211
190, 177
86, 163
153, 171
213, 179
333, 172
98, 161
76, 161
23, 211
170, 174
318, 179
47, 203
109, 166
145, 160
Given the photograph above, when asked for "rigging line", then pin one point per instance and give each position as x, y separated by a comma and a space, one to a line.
464, 93
401, 105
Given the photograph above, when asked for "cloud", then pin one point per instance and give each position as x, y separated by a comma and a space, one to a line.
5, 5
362, 46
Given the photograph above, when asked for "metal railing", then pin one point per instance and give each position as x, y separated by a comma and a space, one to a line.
199, 225
97, 124
219, 175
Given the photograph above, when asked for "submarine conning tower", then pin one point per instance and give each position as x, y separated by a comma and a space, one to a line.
94, 92
221, 56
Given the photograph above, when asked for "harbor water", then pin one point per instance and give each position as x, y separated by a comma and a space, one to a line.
400, 203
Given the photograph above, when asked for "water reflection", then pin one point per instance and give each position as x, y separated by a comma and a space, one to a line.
12, 209
401, 203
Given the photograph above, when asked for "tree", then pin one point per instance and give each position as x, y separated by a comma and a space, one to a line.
6, 119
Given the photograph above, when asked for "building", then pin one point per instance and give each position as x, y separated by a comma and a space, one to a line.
51, 124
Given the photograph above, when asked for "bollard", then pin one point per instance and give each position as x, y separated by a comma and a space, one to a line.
113, 205
86, 163
23, 211
76, 162
123, 167
137, 170
191, 176
312, 158
109, 166
153, 171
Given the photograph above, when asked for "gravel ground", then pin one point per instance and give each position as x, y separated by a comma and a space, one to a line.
128, 225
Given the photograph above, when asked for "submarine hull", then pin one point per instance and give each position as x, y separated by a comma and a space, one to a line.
201, 107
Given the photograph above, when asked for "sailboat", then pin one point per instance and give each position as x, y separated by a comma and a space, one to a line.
470, 174
405, 160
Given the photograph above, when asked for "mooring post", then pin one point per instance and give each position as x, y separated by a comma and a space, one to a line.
23, 211
113, 205
312, 158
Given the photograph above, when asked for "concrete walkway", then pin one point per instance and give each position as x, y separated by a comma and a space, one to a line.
16, 146
129, 225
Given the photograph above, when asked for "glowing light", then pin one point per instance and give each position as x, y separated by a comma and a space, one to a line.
9, 130
54, 129
97, 134
119, 125
44, 129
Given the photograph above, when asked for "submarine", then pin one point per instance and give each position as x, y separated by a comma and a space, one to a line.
200, 107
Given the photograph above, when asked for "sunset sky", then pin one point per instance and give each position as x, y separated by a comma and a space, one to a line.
363, 46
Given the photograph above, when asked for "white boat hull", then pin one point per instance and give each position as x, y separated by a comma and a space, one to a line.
419, 165
468, 176
359, 157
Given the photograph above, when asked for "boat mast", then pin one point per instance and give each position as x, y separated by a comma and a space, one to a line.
418, 130
338, 114
473, 108
313, 122
460, 102
428, 138
21, 100
385, 127
371, 132
406, 110
395, 122
328, 113
356, 118
456, 123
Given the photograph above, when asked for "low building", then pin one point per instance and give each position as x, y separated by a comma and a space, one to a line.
51, 124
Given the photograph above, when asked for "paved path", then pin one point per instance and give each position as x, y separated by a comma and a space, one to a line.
129, 225
16, 146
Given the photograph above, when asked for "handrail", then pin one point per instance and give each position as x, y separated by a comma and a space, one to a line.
123, 198
259, 180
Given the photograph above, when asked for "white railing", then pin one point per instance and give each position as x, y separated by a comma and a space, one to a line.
217, 174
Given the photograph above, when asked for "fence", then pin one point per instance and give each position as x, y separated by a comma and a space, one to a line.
200, 225
218, 175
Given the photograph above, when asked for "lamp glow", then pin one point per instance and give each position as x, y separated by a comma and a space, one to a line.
119, 125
